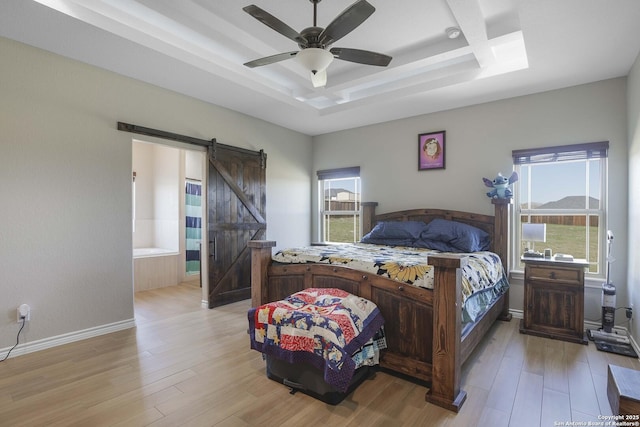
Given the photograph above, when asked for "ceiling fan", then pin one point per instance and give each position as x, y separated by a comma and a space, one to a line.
314, 41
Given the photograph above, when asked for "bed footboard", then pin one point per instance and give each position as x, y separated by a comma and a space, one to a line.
423, 326
424, 336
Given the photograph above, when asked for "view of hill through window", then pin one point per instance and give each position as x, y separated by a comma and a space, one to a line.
566, 197
566, 184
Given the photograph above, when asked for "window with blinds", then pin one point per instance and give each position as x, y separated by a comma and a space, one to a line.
563, 187
339, 205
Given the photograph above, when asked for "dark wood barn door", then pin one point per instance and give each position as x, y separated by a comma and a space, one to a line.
236, 214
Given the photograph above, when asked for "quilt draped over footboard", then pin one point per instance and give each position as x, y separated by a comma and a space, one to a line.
319, 326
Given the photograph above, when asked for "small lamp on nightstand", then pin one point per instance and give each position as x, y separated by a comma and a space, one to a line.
533, 233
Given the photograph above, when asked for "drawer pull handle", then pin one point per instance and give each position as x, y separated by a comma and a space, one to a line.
364, 277
552, 275
401, 288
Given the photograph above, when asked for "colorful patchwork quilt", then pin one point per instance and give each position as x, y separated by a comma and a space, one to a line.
320, 326
483, 278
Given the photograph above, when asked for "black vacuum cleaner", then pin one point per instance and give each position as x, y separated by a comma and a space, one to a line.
606, 338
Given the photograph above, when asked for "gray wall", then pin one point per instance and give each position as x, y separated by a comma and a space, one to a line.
65, 187
479, 141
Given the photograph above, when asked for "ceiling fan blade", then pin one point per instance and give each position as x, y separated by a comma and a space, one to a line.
270, 59
319, 79
361, 56
274, 23
346, 22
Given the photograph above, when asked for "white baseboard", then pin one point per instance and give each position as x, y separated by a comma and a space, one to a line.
518, 314
58, 340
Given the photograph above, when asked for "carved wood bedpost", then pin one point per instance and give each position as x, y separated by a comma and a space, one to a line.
501, 233
368, 213
501, 243
447, 326
260, 260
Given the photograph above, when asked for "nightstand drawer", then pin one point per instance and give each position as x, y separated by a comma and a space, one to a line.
557, 274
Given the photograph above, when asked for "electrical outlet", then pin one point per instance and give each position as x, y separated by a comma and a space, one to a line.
24, 311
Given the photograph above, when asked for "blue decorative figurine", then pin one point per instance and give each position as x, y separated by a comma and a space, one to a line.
500, 186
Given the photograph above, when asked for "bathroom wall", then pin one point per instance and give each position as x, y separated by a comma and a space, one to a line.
193, 165
157, 196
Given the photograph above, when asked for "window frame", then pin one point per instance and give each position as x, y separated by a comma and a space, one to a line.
330, 175
588, 152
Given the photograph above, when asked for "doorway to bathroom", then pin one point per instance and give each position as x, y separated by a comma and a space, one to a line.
167, 215
234, 212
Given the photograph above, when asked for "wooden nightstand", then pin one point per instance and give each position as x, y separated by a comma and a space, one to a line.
554, 299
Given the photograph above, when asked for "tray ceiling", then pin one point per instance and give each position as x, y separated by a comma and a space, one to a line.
197, 47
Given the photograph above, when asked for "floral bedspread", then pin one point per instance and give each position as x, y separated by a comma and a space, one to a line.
483, 277
320, 326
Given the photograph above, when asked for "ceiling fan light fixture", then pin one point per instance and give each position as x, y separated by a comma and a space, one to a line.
319, 79
314, 59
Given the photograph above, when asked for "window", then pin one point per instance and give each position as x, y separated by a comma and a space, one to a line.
339, 205
565, 188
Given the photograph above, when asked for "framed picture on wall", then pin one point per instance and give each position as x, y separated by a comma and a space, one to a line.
431, 150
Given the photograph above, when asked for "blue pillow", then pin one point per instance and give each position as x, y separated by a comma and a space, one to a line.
437, 245
457, 235
388, 242
405, 231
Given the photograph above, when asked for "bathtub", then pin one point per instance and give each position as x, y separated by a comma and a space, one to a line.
151, 252
154, 268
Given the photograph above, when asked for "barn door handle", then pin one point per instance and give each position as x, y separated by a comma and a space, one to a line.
213, 251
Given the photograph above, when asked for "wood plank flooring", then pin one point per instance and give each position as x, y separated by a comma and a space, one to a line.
184, 365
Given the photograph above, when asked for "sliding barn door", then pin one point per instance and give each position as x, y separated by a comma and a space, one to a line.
236, 214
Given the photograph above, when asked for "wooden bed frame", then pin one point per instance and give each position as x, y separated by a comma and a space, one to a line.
422, 326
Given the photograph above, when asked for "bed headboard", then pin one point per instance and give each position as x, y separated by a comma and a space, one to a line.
496, 225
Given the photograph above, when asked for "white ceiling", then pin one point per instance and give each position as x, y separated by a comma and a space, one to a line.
197, 47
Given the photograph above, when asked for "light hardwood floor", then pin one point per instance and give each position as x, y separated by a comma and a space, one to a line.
184, 365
